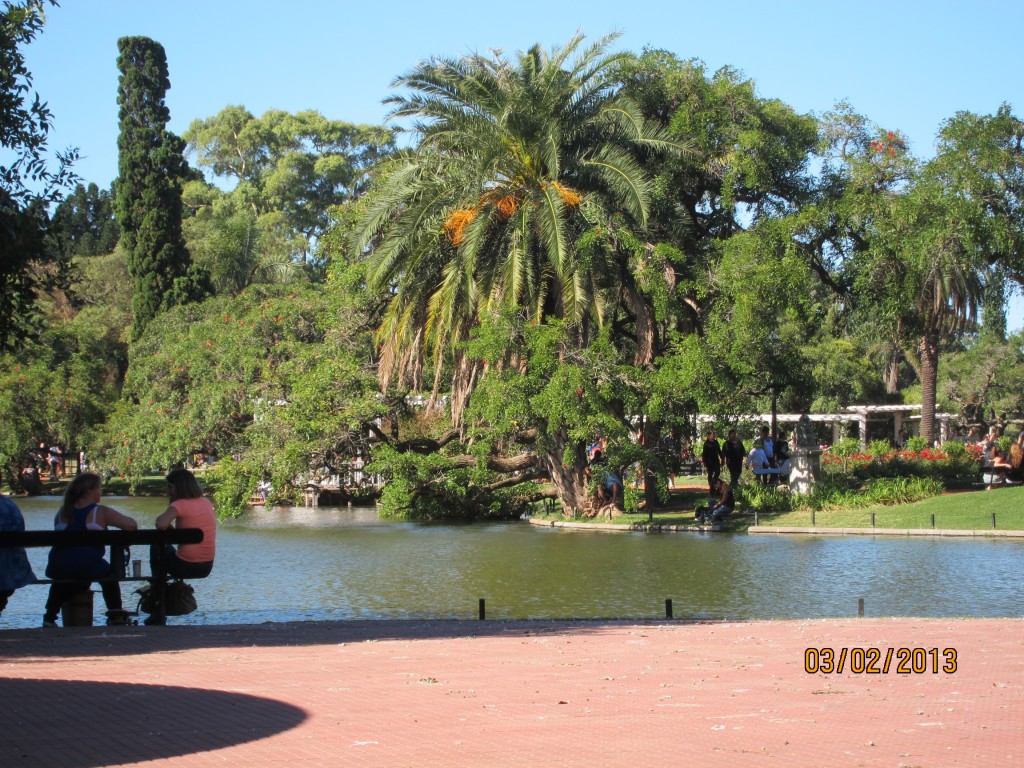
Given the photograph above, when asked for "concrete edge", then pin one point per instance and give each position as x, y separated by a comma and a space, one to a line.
776, 529
989, 533
632, 528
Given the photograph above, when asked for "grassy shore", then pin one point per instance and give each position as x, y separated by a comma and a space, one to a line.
150, 485
967, 510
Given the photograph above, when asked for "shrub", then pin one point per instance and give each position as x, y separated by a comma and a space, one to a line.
915, 444
765, 498
881, 449
900, 490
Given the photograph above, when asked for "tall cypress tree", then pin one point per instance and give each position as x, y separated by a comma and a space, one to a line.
152, 169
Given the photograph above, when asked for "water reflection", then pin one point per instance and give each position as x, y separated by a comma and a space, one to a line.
300, 563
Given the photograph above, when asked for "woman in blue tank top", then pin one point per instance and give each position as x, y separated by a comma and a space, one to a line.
82, 511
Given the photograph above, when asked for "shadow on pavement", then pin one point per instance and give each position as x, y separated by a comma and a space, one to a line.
103, 641
78, 724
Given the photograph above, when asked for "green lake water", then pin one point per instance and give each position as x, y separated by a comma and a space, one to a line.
297, 563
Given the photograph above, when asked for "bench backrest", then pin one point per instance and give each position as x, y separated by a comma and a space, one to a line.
100, 538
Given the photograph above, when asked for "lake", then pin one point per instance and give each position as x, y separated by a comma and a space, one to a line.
329, 563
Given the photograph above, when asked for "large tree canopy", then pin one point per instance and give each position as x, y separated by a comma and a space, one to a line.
288, 170
30, 262
518, 162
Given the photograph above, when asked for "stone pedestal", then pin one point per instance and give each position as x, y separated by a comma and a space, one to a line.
805, 466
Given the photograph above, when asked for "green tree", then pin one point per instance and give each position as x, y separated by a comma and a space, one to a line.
231, 246
523, 196
925, 272
271, 376
984, 382
85, 222
148, 188
980, 160
288, 170
30, 264
517, 161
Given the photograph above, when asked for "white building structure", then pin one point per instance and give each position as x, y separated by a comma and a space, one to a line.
903, 416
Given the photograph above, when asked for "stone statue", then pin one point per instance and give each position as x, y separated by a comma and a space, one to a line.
805, 436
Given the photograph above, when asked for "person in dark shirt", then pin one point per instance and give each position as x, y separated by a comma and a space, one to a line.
711, 456
723, 505
735, 452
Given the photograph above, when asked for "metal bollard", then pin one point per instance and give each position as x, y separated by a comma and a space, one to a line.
993, 519
668, 607
482, 610
860, 607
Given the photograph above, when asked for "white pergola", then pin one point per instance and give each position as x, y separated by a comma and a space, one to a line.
859, 414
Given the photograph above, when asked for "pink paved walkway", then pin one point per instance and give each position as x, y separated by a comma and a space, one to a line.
508, 694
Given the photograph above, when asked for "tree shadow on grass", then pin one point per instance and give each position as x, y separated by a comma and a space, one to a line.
81, 724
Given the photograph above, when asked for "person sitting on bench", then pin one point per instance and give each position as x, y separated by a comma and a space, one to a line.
996, 467
15, 570
188, 508
82, 511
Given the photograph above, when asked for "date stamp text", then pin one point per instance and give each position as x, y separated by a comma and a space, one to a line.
880, 661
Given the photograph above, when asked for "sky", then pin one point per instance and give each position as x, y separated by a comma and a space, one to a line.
906, 65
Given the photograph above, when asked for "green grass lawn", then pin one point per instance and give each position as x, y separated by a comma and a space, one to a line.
970, 510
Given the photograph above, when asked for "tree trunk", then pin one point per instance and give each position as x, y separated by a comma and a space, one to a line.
645, 330
570, 481
892, 372
929, 349
464, 381
652, 441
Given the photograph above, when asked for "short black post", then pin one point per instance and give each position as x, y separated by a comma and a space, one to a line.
993, 519
482, 610
860, 607
755, 516
933, 519
668, 607
812, 518
872, 519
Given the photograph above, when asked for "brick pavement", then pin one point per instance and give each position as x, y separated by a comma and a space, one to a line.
542, 693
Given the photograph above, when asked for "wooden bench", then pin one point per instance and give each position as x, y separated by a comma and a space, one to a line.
773, 475
117, 540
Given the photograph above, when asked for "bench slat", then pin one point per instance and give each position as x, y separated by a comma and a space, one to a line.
100, 538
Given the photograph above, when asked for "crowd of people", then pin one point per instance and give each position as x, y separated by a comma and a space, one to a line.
768, 459
999, 467
73, 569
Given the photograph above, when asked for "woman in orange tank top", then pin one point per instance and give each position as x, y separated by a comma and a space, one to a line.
188, 509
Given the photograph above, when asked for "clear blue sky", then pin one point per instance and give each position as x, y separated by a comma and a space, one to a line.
905, 65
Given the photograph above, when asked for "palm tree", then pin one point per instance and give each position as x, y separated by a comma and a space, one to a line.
933, 277
948, 289
516, 161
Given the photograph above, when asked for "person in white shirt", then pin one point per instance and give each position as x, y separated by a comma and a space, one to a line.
757, 460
